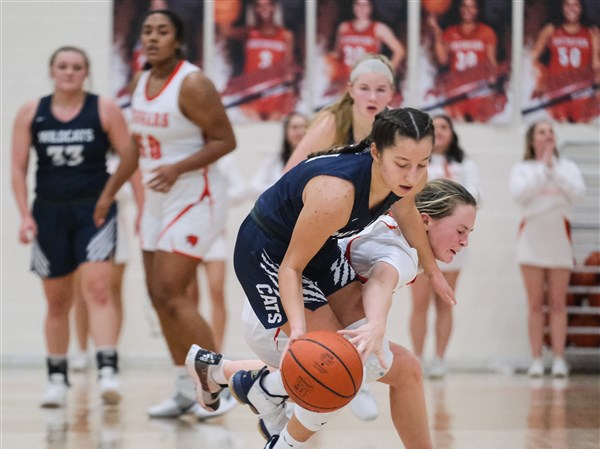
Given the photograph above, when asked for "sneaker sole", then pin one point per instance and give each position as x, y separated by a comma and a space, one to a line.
190, 366
174, 415
241, 397
225, 407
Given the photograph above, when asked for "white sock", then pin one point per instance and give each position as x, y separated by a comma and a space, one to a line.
285, 441
218, 373
184, 383
273, 384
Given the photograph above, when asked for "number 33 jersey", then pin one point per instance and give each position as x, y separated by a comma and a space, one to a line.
71, 156
163, 133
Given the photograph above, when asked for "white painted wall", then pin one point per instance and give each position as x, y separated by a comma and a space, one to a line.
490, 325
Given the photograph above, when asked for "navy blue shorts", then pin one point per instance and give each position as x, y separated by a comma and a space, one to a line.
68, 237
256, 261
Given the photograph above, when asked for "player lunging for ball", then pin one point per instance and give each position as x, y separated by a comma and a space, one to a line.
381, 256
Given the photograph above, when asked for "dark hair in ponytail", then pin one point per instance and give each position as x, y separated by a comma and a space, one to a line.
403, 122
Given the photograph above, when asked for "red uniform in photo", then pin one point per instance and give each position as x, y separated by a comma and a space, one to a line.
354, 44
269, 53
468, 54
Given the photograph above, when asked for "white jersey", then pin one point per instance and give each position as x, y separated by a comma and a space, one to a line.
381, 241
164, 134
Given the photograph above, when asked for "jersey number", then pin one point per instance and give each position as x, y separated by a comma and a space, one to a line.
352, 54
150, 148
70, 155
465, 59
569, 57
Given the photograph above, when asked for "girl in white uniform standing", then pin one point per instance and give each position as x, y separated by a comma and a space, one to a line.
545, 186
181, 128
448, 161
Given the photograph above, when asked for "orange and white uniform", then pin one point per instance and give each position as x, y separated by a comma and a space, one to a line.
269, 53
545, 197
189, 217
570, 63
468, 53
354, 44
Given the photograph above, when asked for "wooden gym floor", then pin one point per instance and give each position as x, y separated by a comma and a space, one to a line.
467, 411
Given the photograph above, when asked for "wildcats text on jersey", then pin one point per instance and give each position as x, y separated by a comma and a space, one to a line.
66, 135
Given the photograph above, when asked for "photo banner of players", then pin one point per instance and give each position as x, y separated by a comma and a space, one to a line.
348, 29
127, 55
464, 62
561, 61
259, 57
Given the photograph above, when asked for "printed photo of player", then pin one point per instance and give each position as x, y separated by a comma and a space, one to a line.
345, 34
259, 56
561, 61
464, 65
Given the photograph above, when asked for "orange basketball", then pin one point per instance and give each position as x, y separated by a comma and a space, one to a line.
227, 11
322, 371
436, 6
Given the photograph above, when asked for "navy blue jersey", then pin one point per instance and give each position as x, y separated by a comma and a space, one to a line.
278, 207
71, 155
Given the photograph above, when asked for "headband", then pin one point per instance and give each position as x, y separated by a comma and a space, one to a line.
372, 65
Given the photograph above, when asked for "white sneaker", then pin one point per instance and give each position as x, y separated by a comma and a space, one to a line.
172, 407
363, 405
559, 367
109, 385
56, 392
199, 362
536, 369
247, 388
437, 370
226, 403
79, 362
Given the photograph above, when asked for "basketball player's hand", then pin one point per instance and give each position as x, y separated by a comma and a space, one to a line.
440, 287
101, 210
294, 335
367, 339
27, 230
164, 178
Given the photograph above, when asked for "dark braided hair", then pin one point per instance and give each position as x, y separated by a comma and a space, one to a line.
402, 122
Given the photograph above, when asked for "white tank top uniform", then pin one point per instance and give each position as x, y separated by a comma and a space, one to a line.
545, 197
189, 217
467, 175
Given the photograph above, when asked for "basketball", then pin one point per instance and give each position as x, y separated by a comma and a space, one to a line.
322, 371
436, 6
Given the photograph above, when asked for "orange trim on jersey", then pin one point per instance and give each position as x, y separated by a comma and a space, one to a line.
173, 73
181, 253
568, 230
349, 259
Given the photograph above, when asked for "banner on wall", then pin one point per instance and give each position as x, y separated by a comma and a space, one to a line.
346, 30
464, 63
259, 55
561, 61
128, 57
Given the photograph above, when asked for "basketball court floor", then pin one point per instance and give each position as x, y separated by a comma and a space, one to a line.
467, 411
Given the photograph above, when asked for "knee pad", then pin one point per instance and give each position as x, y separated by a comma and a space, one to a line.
313, 421
373, 369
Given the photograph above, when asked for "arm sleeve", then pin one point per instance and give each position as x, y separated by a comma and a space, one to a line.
568, 178
527, 180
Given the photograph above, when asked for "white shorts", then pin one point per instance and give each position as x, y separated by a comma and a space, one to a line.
545, 241
218, 251
186, 220
267, 344
126, 214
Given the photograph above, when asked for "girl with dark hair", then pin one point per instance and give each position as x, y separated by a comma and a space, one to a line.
297, 279
447, 161
181, 129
